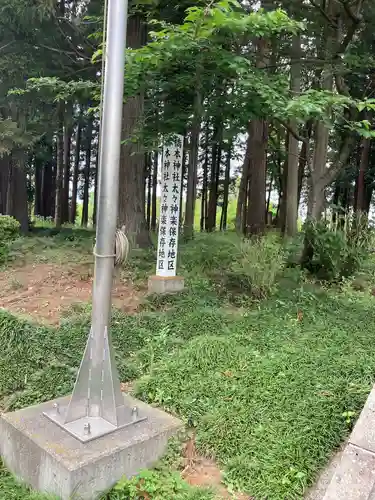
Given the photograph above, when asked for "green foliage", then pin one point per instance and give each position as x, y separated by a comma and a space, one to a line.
266, 387
9, 230
158, 485
259, 264
266, 391
335, 253
55, 89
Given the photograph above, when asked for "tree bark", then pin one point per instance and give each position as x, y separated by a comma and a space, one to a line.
291, 206
77, 157
203, 221
256, 207
148, 161
154, 190
193, 167
59, 168
38, 200
215, 175
131, 213
360, 200
96, 185
67, 146
17, 205
226, 188
4, 173
86, 185
183, 177
242, 192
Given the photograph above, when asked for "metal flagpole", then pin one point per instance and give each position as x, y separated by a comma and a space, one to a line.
97, 406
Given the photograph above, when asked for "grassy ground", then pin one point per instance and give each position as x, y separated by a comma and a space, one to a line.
267, 385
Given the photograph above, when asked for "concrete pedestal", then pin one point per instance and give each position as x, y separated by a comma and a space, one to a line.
49, 459
165, 284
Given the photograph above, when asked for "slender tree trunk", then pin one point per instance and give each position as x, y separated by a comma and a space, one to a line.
242, 192
67, 146
73, 210
183, 177
17, 205
96, 184
38, 197
4, 172
258, 142
48, 186
291, 206
226, 188
270, 187
256, 208
192, 167
131, 212
154, 190
283, 179
86, 186
360, 200
148, 161
215, 175
59, 168
203, 221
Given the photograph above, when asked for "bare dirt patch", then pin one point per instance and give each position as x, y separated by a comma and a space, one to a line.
202, 472
44, 291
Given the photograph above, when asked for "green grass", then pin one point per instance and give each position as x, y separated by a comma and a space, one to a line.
265, 384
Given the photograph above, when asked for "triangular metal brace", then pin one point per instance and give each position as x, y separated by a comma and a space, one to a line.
97, 405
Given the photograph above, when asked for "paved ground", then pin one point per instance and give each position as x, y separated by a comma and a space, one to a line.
351, 473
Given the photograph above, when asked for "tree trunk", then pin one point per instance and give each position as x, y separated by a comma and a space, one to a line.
17, 205
67, 146
86, 185
96, 185
226, 188
49, 187
258, 141
148, 162
131, 211
256, 208
4, 173
291, 206
215, 175
183, 177
192, 167
203, 221
73, 209
360, 200
154, 190
38, 200
59, 168
242, 192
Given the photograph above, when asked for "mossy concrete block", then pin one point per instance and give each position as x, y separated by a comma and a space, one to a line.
46, 457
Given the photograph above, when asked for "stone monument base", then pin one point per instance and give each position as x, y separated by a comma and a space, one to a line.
49, 459
165, 284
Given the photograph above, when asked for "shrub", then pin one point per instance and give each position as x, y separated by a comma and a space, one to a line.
332, 253
9, 230
260, 262
209, 253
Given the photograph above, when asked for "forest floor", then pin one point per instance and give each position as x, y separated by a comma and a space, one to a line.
264, 387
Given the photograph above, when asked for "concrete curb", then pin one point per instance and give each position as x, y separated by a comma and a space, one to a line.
353, 470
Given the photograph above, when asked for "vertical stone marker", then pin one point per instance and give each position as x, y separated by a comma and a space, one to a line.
165, 280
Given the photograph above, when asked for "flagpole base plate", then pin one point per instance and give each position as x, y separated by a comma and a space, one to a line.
89, 428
